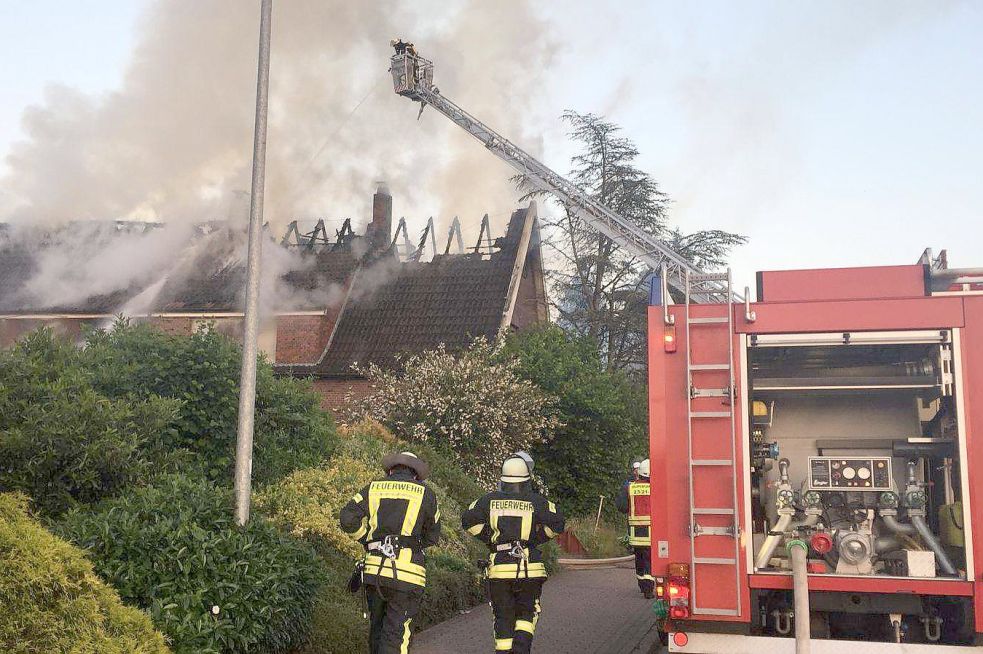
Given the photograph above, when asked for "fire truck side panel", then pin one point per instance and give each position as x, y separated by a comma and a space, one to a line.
714, 585
854, 315
659, 442
972, 367
876, 282
890, 305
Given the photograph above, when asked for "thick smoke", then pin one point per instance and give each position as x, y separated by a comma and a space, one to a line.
173, 143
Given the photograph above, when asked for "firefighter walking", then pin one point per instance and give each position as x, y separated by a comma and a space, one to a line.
395, 519
514, 521
634, 500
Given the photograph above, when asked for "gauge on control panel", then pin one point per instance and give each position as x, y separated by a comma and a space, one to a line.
838, 473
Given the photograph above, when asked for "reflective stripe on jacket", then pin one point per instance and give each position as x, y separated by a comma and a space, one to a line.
405, 511
514, 525
635, 500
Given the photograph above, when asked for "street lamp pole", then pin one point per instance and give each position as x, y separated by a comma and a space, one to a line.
247, 383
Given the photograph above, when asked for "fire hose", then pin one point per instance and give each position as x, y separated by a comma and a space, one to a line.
799, 552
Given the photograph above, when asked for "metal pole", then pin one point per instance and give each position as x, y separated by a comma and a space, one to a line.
597, 521
247, 383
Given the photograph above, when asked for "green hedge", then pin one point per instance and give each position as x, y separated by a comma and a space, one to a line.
202, 373
211, 586
51, 602
61, 441
603, 418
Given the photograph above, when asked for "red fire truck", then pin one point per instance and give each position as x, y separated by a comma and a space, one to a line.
813, 458
811, 452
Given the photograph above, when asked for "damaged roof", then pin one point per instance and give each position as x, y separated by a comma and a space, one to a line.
393, 310
205, 273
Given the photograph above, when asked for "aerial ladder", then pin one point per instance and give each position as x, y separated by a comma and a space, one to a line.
413, 79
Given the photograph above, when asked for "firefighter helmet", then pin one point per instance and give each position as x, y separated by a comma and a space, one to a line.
515, 470
408, 459
643, 469
525, 456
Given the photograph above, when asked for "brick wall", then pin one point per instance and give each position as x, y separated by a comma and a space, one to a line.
302, 339
334, 391
173, 326
12, 329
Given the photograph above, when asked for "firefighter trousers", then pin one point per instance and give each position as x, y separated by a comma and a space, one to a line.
643, 569
515, 603
390, 613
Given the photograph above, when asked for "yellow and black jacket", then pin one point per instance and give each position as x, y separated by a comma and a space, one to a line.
513, 525
395, 519
634, 499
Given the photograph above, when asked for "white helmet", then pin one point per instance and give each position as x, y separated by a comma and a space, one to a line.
643, 469
515, 470
525, 456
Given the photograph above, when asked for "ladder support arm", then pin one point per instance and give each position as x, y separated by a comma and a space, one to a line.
413, 78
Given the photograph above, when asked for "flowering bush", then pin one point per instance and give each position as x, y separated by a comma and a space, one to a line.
472, 402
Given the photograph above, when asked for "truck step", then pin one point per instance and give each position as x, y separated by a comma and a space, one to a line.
709, 511
710, 414
702, 611
709, 392
710, 366
713, 531
712, 462
709, 321
710, 560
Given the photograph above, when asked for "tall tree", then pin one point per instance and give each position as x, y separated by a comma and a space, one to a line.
599, 289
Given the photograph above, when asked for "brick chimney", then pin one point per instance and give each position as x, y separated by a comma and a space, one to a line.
381, 227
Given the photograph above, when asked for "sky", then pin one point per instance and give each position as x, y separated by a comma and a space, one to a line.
831, 134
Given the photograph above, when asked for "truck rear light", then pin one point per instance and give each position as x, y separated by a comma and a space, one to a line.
679, 612
680, 639
677, 592
669, 338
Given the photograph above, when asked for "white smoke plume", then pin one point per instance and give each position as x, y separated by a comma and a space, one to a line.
173, 143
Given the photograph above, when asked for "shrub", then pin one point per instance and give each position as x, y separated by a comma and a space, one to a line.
53, 602
307, 504
601, 418
61, 441
202, 372
606, 542
470, 403
368, 441
174, 550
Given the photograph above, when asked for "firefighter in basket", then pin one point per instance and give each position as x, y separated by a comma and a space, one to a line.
634, 500
395, 519
514, 521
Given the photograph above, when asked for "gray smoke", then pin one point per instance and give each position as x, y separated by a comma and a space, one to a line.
173, 143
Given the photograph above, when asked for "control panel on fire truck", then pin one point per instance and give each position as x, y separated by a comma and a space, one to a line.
847, 473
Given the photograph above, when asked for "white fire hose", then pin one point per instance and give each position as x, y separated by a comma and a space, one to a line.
799, 551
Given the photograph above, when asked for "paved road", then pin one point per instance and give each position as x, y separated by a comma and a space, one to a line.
584, 612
